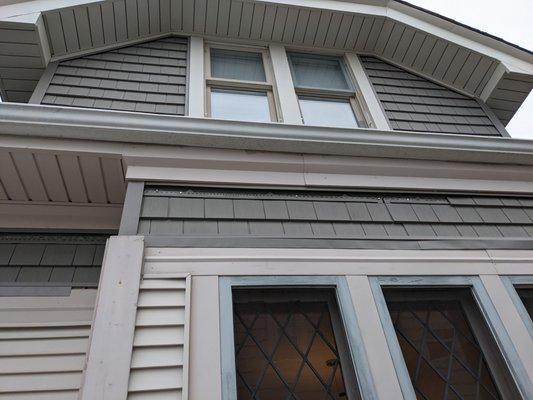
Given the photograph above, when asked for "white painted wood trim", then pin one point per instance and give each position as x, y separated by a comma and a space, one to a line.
249, 261
109, 357
513, 323
187, 339
379, 359
369, 95
196, 79
288, 101
325, 179
204, 356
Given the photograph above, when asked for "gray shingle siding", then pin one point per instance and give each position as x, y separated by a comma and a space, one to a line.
69, 260
260, 214
413, 103
147, 77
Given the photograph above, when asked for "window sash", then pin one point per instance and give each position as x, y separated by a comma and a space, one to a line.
346, 314
214, 83
515, 371
321, 59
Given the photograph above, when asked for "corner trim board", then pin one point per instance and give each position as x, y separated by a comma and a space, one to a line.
132, 208
107, 370
44, 82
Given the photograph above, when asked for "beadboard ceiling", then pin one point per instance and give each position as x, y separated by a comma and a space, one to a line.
96, 26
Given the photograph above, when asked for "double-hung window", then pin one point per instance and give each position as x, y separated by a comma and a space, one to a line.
325, 91
239, 84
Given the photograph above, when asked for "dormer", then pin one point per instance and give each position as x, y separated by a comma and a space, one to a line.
383, 65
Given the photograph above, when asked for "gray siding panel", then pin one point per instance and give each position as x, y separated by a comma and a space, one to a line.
147, 77
413, 103
43, 259
217, 214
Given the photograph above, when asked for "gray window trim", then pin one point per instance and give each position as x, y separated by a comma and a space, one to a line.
132, 208
487, 309
511, 283
346, 311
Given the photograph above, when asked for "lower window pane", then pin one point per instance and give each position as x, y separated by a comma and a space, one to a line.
332, 113
447, 347
289, 345
240, 105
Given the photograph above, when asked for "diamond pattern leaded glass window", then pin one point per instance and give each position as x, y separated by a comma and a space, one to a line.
441, 348
288, 346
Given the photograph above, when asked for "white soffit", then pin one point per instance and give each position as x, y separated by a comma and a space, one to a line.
467, 60
60, 177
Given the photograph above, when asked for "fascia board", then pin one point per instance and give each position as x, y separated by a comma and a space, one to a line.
30, 120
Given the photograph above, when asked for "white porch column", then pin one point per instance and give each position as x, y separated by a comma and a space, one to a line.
109, 356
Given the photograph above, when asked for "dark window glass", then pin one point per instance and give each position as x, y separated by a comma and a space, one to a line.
527, 298
446, 345
290, 346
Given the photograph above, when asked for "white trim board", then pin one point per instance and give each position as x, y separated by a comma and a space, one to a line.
250, 261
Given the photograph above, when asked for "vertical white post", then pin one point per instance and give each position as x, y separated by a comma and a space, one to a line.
107, 369
375, 343
288, 101
511, 319
204, 342
196, 82
369, 96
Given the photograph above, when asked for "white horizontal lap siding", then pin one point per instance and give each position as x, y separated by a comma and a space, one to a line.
43, 343
158, 364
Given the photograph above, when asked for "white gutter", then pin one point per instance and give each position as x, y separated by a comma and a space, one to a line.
31, 120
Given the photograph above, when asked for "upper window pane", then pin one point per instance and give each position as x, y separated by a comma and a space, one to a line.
324, 112
240, 65
319, 72
240, 105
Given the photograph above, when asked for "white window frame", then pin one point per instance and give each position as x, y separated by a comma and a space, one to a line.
486, 308
345, 308
268, 87
353, 95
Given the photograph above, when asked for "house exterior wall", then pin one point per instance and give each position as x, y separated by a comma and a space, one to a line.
43, 344
416, 104
147, 77
432, 194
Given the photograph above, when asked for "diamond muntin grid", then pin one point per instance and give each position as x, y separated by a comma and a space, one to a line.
282, 318
422, 315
